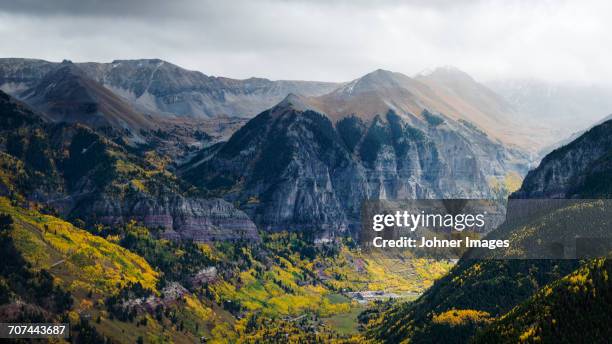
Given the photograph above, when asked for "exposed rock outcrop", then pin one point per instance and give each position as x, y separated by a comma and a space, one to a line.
180, 218
579, 169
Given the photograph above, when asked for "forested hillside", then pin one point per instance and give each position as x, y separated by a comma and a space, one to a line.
573, 309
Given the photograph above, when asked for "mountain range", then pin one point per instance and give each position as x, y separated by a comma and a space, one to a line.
308, 160
99, 178
159, 87
313, 151
446, 90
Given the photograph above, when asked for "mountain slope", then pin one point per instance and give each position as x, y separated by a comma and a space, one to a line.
488, 288
15, 113
463, 88
17, 75
575, 309
78, 279
475, 102
67, 95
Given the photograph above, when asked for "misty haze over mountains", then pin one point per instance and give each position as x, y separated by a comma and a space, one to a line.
566, 106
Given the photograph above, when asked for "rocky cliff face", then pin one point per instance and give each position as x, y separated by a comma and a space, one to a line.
179, 218
291, 168
579, 169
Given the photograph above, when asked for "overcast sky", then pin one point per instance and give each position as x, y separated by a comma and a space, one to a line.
316, 40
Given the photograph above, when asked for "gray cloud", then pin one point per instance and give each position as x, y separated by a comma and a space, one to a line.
164, 8
553, 40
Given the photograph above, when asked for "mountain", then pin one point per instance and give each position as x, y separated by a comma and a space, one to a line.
296, 165
16, 114
67, 94
466, 300
478, 293
163, 87
563, 107
156, 86
127, 285
447, 91
374, 94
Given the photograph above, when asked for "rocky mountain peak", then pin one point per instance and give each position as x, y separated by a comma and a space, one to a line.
446, 72
293, 102
376, 81
67, 77
373, 94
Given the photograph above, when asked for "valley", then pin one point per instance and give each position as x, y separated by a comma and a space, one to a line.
143, 202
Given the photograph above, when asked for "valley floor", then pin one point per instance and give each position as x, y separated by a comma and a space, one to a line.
125, 285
